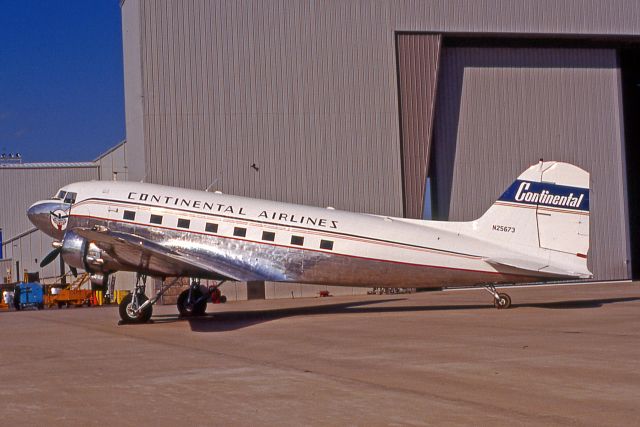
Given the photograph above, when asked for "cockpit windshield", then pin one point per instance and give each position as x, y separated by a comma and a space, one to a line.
70, 198
66, 196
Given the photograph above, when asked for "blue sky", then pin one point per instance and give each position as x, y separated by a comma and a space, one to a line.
61, 78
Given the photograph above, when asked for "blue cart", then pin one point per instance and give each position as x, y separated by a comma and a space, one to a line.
28, 295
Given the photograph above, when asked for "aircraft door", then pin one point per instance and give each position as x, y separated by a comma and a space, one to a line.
113, 212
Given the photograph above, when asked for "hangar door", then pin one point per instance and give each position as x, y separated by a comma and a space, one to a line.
499, 110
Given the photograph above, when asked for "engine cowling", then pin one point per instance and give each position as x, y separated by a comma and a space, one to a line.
80, 253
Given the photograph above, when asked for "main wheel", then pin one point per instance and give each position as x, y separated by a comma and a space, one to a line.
127, 310
503, 301
189, 309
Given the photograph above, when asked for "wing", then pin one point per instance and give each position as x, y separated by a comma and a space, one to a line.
143, 255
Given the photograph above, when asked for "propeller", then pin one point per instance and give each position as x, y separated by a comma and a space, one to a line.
51, 256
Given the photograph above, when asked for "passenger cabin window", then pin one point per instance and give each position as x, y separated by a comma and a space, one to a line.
70, 198
183, 223
269, 236
211, 227
240, 232
156, 219
297, 240
129, 215
326, 244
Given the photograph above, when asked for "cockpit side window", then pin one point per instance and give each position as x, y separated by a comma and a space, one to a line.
60, 196
70, 198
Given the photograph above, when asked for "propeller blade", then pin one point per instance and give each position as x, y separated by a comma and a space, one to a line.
50, 257
73, 271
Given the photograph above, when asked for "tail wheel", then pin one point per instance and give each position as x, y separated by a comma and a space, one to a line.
196, 307
503, 301
128, 310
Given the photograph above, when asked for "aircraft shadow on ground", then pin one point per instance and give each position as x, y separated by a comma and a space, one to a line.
233, 320
578, 303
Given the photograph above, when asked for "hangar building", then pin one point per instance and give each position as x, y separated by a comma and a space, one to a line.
370, 105
23, 245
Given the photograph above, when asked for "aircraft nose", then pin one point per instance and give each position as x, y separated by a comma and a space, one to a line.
49, 217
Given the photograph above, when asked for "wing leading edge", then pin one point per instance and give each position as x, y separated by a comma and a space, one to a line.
140, 254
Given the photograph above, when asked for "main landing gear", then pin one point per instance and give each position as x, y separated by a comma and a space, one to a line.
500, 299
193, 301
137, 308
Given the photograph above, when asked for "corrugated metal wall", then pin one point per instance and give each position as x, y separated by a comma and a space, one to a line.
133, 93
112, 165
28, 250
232, 84
306, 90
21, 187
418, 57
501, 109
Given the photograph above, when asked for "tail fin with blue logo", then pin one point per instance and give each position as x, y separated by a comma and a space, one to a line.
544, 213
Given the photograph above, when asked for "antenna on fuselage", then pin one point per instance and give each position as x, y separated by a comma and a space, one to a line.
212, 184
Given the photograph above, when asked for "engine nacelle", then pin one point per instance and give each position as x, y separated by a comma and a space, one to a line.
80, 253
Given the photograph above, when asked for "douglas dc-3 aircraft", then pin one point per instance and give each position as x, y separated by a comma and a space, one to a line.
537, 231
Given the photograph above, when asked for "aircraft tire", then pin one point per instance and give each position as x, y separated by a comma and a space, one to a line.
142, 317
187, 310
503, 302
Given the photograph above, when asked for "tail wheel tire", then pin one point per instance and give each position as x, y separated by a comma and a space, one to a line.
127, 311
503, 301
187, 309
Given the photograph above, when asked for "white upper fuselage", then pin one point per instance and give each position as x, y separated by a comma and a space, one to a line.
538, 229
399, 242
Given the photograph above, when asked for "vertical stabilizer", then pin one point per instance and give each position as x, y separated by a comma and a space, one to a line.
547, 208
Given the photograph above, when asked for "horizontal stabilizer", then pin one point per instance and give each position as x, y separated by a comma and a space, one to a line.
529, 265
533, 265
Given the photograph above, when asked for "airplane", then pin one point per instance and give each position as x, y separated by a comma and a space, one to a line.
537, 231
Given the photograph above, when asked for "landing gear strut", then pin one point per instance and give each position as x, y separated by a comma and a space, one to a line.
500, 299
136, 307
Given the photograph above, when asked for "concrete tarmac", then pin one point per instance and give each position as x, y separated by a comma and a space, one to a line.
561, 356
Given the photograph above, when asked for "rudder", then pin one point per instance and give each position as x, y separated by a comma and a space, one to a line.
546, 207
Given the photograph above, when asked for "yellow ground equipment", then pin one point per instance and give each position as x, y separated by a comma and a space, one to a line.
71, 295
